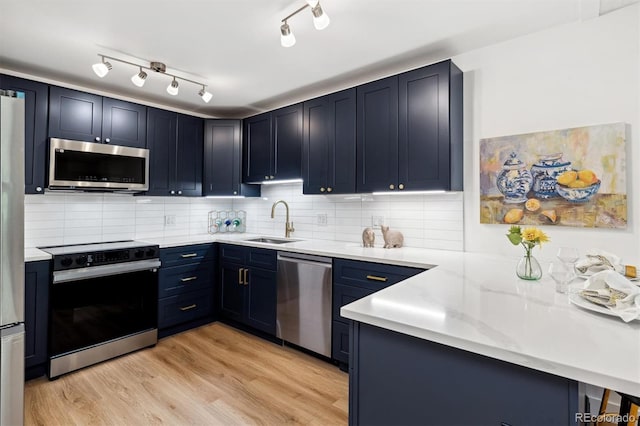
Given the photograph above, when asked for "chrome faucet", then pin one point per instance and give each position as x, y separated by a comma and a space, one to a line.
288, 226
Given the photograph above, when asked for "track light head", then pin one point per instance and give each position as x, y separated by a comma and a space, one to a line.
206, 96
102, 68
172, 88
287, 39
320, 19
139, 78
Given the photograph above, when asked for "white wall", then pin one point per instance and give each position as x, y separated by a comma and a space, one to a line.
579, 74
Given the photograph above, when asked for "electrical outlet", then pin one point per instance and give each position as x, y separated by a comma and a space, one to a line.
170, 220
377, 220
321, 219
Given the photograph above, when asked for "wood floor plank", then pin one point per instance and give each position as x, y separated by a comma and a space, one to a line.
213, 375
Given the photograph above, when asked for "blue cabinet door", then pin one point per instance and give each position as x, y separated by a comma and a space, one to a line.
74, 115
377, 138
188, 156
221, 157
223, 160
316, 153
342, 142
124, 123
261, 300
161, 141
329, 144
231, 291
36, 104
257, 148
36, 305
286, 125
428, 152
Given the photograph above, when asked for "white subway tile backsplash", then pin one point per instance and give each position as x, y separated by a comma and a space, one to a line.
427, 220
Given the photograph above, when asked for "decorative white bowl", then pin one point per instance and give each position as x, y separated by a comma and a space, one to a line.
578, 195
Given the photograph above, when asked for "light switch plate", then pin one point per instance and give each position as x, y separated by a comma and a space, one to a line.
321, 219
170, 220
377, 220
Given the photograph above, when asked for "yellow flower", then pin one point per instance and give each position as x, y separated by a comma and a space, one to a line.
542, 237
530, 234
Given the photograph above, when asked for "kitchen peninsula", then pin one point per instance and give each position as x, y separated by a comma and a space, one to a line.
467, 341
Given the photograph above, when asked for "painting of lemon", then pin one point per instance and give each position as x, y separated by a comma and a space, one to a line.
577, 185
532, 204
513, 216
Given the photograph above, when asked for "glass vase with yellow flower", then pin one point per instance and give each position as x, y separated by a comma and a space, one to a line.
528, 267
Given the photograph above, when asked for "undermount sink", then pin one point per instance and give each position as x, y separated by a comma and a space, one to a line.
272, 240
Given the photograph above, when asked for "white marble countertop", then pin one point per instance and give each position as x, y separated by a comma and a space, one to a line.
476, 303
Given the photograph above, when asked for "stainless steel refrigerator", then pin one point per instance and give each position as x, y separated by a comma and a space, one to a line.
11, 259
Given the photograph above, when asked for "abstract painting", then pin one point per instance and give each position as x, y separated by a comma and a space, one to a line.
570, 177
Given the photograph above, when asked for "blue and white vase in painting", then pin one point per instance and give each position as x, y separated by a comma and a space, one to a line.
545, 173
514, 181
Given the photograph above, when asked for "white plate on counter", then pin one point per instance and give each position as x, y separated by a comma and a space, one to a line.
578, 300
636, 280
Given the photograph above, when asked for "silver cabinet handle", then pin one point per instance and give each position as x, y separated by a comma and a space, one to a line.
189, 255
97, 138
107, 140
38, 189
184, 280
186, 308
172, 192
179, 192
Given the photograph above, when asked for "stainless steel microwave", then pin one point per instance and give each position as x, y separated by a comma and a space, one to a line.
88, 166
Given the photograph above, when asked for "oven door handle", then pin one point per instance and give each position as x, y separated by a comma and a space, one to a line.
104, 270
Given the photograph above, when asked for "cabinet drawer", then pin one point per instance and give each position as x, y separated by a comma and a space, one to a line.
374, 276
340, 342
262, 258
231, 253
184, 255
343, 295
182, 279
184, 307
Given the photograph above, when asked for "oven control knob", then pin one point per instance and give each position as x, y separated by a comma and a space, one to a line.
81, 260
139, 254
66, 261
151, 252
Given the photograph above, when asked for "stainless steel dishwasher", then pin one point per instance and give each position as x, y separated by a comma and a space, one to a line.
304, 301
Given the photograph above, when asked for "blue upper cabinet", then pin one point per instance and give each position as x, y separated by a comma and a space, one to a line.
87, 117
272, 147
410, 131
175, 143
124, 123
329, 144
36, 104
377, 140
223, 159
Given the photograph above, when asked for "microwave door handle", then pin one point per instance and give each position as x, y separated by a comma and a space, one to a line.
104, 270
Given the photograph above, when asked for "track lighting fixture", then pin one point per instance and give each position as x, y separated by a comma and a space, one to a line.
103, 67
139, 78
206, 96
172, 88
320, 21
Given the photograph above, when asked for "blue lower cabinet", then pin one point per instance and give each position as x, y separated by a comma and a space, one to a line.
353, 280
248, 287
184, 307
186, 284
36, 305
403, 380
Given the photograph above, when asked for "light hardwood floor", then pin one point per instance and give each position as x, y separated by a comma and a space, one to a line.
212, 375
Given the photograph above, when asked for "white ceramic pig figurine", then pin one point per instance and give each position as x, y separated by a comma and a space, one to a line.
368, 237
391, 238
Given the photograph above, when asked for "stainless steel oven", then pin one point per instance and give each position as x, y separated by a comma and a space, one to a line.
103, 302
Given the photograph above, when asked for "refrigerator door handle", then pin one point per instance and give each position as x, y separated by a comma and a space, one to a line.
12, 374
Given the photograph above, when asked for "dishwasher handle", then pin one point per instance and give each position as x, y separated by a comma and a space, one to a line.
305, 258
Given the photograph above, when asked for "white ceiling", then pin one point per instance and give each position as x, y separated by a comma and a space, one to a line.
233, 46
